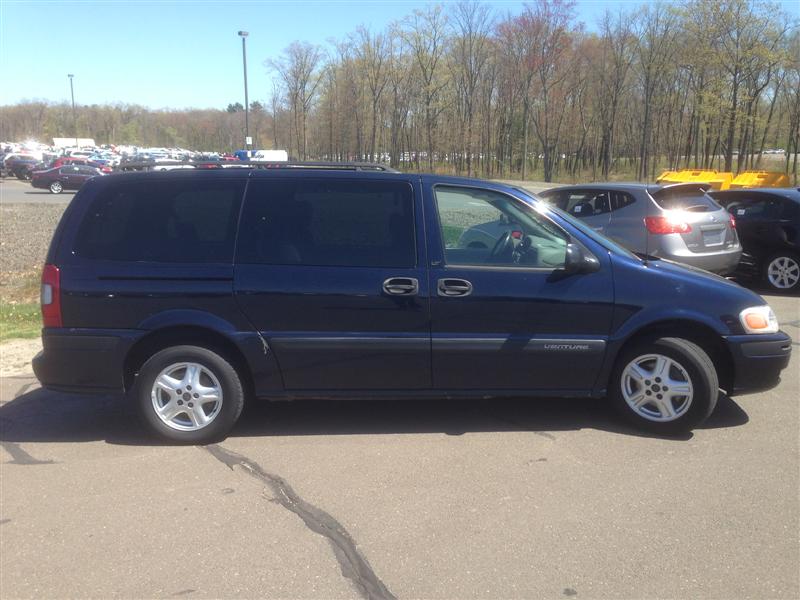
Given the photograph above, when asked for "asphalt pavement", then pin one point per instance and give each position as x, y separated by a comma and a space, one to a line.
15, 191
545, 498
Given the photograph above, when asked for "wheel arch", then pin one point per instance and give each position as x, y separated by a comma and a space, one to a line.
180, 335
695, 331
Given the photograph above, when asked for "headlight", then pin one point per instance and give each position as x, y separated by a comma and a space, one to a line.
759, 319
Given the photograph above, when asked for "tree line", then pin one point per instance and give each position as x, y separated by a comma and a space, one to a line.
466, 89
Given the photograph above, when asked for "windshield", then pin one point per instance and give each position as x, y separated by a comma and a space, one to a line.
588, 231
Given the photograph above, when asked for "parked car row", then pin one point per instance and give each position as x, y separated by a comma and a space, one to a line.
751, 233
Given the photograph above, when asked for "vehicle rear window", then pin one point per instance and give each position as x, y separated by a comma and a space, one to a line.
168, 221
695, 200
328, 223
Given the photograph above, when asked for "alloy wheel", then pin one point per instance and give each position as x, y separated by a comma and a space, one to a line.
783, 272
657, 388
186, 396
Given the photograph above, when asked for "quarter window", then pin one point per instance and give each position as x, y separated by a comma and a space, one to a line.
621, 200
328, 223
168, 221
485, 228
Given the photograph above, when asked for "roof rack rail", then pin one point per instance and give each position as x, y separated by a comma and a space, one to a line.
336, 166
255, 164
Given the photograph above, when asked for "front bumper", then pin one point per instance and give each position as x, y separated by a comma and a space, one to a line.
83, 361
758, 361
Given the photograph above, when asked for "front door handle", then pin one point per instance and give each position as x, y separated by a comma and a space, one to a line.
401, 286
454, 287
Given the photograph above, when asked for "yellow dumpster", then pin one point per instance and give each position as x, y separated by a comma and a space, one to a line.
758, 179
716, 179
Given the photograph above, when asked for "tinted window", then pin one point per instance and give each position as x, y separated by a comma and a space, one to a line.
483, 227
753, 206
87, 171
695, 200
328, 223
587, 203
168, 221
621, 200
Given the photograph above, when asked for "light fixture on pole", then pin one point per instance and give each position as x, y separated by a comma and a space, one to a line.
74, 118
247, 140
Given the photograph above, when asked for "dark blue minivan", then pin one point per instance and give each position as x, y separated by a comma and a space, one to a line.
191, 290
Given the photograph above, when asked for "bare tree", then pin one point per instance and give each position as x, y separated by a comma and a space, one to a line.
299, 70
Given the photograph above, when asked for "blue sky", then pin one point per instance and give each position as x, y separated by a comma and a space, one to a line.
180, 53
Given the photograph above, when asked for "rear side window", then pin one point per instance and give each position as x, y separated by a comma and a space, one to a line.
753, 206
621, 200
168, 221
328, 223
587, 203
694, 200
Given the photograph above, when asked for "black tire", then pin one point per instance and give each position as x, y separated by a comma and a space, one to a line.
701, 374
229, 381
56, 187
791, 259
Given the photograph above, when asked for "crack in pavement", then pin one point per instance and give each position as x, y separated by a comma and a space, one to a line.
20, 457
354, 566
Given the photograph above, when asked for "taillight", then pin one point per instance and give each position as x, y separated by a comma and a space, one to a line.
661, 225
51, 297
732, 220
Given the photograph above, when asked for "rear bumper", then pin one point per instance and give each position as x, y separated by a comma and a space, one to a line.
758, 361
723, 262
84, 361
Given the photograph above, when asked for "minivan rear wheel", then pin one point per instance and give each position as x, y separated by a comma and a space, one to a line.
664, 385
189, 394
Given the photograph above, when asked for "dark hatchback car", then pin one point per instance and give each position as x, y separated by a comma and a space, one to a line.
66, 177
768, 221
191, 290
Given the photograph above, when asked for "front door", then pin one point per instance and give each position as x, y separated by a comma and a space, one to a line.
504, 314
331, 272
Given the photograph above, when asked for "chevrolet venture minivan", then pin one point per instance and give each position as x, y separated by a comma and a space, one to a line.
192, 290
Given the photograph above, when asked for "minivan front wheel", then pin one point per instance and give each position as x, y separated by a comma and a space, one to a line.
665, 385
189, 394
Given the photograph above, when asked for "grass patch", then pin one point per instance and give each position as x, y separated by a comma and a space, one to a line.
20, 321
451, 235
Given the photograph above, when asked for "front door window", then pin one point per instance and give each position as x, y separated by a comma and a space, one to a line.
486, 228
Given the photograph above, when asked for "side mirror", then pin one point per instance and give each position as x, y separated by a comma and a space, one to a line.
578, 261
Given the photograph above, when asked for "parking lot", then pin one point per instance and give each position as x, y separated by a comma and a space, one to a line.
456, 499
14, 191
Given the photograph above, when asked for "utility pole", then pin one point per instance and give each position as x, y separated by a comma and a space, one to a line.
247, 140
74, 118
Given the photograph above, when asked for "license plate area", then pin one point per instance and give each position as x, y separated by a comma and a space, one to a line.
713, 236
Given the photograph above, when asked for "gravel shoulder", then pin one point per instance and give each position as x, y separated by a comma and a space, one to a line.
16, 356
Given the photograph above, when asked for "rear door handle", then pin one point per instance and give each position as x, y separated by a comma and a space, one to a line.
454, 287
401, 286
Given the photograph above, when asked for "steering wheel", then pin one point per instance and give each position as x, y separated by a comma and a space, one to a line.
503, 247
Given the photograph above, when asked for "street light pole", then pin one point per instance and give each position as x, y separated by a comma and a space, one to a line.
74, 118
243, 35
